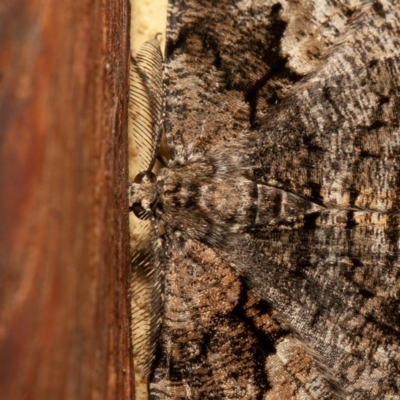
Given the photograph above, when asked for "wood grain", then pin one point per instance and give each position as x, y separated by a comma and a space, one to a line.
64, 325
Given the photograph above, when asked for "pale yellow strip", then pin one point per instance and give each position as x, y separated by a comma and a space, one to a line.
148, 18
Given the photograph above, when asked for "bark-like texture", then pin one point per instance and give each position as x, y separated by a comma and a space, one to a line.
64, 326
280, 202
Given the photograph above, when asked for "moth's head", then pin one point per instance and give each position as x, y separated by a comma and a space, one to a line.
143, 194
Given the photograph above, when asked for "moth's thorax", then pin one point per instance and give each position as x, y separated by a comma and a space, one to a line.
201, 200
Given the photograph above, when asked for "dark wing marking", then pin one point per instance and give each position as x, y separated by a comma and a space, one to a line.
252, 55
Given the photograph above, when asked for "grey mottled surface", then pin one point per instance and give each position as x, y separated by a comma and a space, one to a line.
280, 202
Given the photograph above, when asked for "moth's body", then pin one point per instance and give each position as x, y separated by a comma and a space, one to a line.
280, 263
210, 199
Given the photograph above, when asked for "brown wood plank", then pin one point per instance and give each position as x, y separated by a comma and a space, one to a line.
64, 328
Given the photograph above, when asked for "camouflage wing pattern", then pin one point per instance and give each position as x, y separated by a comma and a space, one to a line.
281, 201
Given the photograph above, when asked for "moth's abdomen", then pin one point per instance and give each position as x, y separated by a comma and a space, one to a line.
278, 208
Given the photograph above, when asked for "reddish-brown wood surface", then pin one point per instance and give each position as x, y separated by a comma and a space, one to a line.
63, 210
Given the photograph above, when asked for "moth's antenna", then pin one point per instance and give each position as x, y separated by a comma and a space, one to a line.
163, 160
147, 290
157, 294
141, 296
146, 102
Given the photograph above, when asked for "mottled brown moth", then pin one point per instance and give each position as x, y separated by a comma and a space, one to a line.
277, 275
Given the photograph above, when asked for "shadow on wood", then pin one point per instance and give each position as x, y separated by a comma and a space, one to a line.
64, 329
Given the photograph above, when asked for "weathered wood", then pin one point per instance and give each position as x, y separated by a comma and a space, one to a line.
64, 326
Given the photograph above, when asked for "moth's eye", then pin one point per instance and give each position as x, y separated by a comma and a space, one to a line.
139, 211
153, 177
139, 177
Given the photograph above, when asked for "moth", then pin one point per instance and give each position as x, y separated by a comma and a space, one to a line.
273, 258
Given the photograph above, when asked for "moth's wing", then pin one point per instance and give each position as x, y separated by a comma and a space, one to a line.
146, 104
334, 276
218, 56
228, 63
219, 341
333, 281
326, 79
